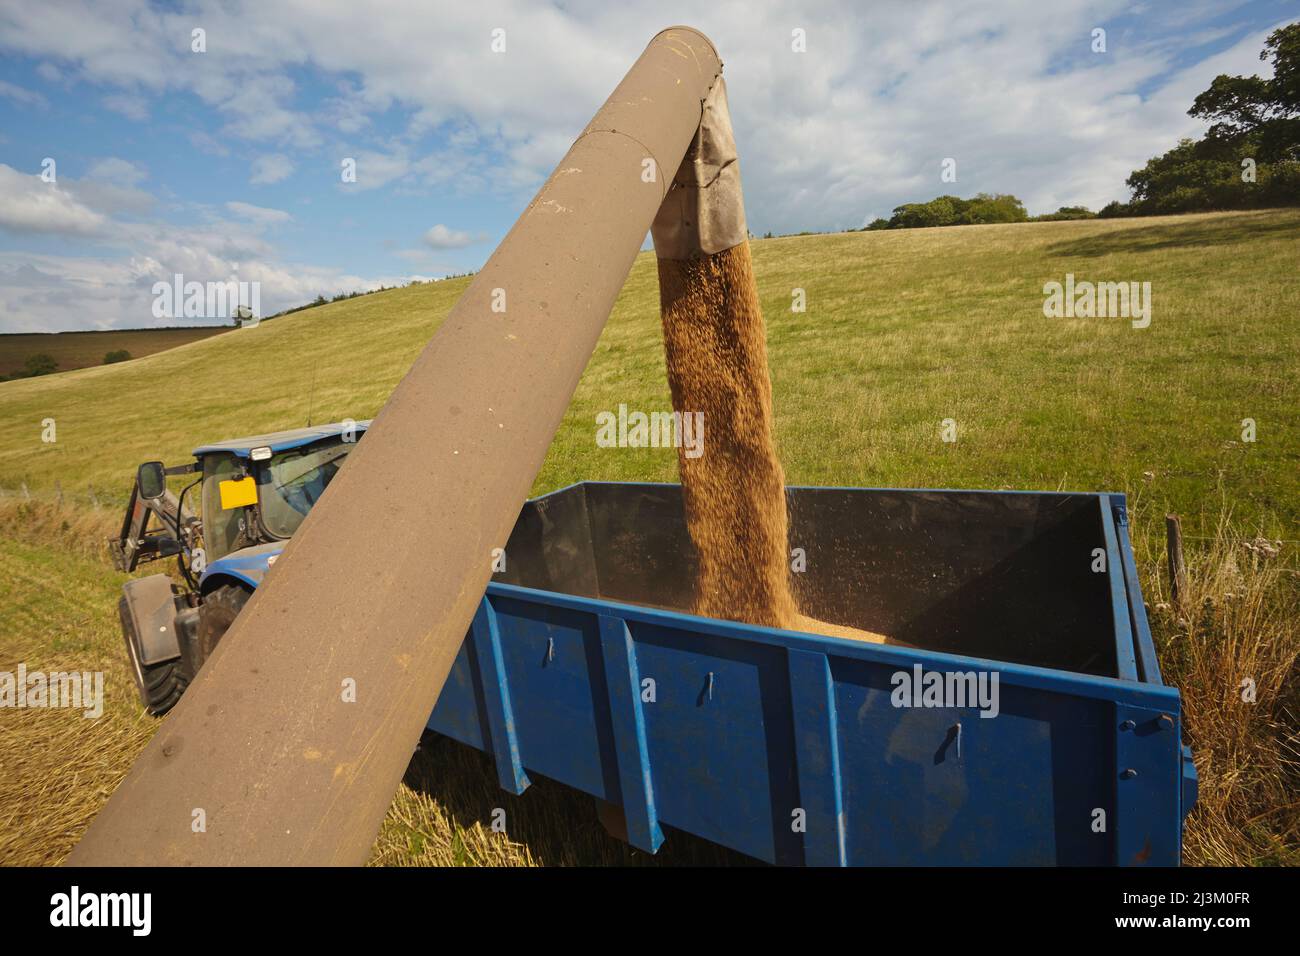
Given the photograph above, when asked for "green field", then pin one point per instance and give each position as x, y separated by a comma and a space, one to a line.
903, 330
73, 350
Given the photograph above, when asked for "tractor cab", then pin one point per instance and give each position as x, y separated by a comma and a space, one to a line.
258, 490
251, 495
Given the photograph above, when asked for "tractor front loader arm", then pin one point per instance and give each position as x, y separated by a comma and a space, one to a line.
137, 542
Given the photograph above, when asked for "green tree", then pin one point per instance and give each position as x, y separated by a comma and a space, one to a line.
1186, 179
1265, 112
1250, 155
941, 211
117, 355
955, 211
1067, 212
989, 208
39, 364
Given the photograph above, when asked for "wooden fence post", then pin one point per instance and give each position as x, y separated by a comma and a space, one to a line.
1177, 569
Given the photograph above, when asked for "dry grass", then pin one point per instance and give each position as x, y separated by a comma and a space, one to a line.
1236, 631
45, 521
443, 814
60, 614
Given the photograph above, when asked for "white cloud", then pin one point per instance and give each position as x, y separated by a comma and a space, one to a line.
349, 111
207, 143
829, 138
28, 204
21, 95
39, 293
120, 172
43, 292
109, 198
854, 126
128, 105
256, 110
111, 187
378, 169
440, 237
271, 168
258, 214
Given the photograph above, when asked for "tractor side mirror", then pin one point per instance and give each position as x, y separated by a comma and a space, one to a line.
152, 480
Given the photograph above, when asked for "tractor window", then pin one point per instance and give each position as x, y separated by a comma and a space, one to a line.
291, 483
220, 528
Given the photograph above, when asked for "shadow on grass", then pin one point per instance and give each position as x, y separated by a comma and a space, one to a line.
557, 823
1164, 236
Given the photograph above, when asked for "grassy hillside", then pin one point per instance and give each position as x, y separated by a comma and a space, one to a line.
902, 330
73, 350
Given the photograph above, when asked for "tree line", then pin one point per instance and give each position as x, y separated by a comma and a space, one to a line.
43, 363
1249, 158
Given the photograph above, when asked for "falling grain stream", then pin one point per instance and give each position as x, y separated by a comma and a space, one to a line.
734, 492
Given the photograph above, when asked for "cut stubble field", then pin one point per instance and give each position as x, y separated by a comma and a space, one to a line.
902, 330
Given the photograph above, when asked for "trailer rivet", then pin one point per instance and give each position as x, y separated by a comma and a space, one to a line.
1127, 725
1129, 774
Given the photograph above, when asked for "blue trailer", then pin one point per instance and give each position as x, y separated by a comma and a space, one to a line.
583, 666
1050, 738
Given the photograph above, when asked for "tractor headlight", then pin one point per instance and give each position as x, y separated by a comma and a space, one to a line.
260, 454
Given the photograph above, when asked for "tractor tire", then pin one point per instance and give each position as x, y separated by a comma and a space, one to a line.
216, 614
160, 685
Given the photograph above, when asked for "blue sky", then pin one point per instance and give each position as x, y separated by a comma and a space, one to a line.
226, 163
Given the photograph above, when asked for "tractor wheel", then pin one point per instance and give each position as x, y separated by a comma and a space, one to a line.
160, 685
216, 614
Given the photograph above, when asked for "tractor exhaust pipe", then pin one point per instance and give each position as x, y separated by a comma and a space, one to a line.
289, 745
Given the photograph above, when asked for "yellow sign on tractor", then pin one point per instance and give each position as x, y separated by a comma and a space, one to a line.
238, 493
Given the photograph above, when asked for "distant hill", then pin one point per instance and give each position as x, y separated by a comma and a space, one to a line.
82, 349
903, 329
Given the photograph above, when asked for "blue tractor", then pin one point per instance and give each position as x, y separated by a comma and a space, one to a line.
252, 494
